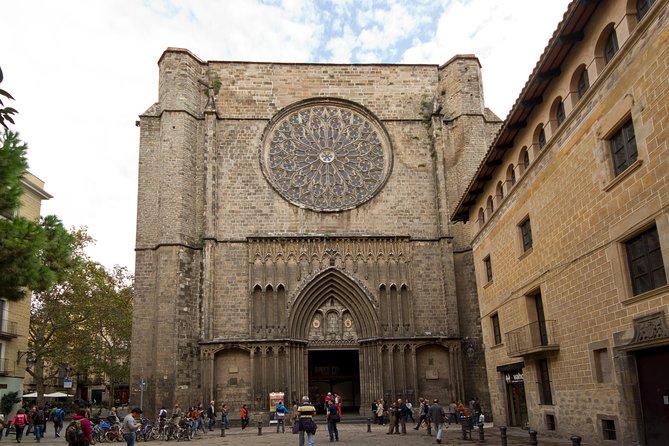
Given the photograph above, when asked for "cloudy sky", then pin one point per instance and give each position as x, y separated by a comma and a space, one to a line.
82, 71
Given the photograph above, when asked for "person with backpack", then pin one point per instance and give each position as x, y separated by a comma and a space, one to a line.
78, 432
39, 423
130, 426
280, 415
57, 416
19, 422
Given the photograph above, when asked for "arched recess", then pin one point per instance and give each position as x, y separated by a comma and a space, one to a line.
258, 309
437, 378
332, 283
232, 380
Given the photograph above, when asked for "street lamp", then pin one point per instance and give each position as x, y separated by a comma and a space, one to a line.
29, 354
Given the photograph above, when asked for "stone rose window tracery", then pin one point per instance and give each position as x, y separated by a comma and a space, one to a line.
326, 155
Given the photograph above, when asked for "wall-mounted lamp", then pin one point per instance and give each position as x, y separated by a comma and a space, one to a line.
29, 354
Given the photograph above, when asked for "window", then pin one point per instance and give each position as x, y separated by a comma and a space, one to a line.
481, 217
644, 258
511, 175
608, 429
559, 114
496, 332
610, 46
526, 235
602, 365
488, 268
490, 207
642, 7
524, 160
583, 83
542, 138
623, 148
499, 192
544, 383
550, 422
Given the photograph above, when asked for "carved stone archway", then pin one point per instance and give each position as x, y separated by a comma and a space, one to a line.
328, 289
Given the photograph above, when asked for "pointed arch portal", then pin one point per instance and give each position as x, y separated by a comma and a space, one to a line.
333, 314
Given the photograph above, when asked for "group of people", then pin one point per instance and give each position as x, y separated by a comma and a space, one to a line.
398, 413
34, 419
201, 418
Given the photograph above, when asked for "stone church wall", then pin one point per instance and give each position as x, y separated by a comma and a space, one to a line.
205, 206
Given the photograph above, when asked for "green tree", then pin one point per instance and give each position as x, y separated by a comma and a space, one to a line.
6, 113
32, 254
12, 165
82, 322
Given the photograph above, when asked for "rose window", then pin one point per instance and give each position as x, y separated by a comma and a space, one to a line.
326, 156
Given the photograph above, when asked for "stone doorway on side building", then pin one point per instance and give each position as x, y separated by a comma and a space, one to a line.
654, 390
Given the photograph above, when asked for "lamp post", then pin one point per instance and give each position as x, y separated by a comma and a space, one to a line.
142, 387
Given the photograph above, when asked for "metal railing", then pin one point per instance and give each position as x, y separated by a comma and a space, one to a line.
8, 328
535, 337
6, 366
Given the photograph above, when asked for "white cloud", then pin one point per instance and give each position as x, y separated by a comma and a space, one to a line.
507, 36
82, 71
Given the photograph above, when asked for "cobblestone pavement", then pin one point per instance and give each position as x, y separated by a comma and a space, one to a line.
349, 434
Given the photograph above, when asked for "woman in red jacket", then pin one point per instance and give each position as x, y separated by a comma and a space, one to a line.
20, 420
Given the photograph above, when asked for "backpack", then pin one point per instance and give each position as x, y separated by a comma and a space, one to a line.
74, 435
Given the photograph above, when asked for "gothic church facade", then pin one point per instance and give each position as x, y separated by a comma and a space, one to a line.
293, 233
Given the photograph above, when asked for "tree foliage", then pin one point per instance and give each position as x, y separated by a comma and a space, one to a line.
32, 254
83, 322
13, 163
6, 113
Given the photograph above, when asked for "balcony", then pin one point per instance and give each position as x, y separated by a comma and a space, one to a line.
536, 337
6, 367
7, 329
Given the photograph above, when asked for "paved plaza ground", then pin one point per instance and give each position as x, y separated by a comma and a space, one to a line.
349, 434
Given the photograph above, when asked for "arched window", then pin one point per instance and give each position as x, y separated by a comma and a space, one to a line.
489, 206
499, 192
583, 82
559, 113
481, 219
541, 138
511, 175
610, 46
523, 160
526, 159
642, 7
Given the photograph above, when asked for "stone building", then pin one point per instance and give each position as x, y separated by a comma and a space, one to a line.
570, 210
293, 233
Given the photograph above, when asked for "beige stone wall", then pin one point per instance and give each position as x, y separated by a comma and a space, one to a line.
580, 216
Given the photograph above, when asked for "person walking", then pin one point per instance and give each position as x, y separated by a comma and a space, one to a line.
393, 413
437, 416
306, 423
402, 413
58, 417
19, 422
85, 425
423, 410
244, 414
280, 414
225, 421
130, 426
452, 413
211, 413
333, 417
39, 423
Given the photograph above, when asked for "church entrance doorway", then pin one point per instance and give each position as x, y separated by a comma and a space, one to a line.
335, 371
